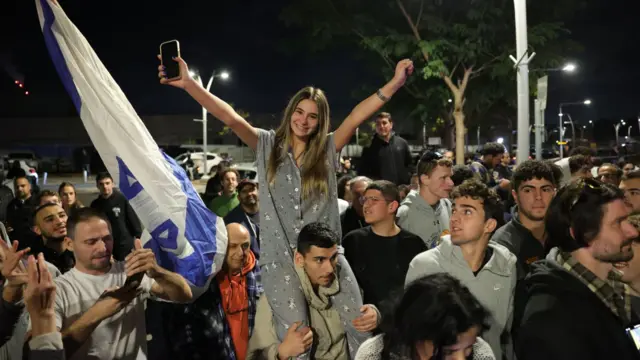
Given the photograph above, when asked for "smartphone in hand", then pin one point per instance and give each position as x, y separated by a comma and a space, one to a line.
134, 281
168, 51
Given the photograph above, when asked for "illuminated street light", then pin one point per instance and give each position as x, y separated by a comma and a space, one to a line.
570, 67
587, 102
500, 140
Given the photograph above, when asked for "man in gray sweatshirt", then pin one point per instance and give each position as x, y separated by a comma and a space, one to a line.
426, 212
486, 268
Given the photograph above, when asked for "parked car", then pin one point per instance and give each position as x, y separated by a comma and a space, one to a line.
28, 157
213, 160
247, 171
4, 170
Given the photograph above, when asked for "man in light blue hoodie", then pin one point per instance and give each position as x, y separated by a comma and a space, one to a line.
426, 212
486, 268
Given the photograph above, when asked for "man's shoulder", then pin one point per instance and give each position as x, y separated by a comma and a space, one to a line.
430, 258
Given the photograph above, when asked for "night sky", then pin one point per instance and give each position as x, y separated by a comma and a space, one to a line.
245, 37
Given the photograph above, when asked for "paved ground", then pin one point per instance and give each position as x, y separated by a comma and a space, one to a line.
87, 192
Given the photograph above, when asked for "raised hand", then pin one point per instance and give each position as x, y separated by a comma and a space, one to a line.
185, 76
404, 69
39, 296
141, 260
12, 268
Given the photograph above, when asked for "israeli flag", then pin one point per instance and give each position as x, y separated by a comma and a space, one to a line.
185, 236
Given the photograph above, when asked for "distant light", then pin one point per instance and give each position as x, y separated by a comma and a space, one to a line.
450, 100
224, 75
193, 73
584, 126
560, 114
20, 85
17, 82
587, 102
623, 145
26, 93
570, 67
590, 121
500, 140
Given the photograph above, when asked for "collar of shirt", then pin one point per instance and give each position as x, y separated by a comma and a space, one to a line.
615, 294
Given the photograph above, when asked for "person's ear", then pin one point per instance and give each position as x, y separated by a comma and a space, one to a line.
490, 225
299, 259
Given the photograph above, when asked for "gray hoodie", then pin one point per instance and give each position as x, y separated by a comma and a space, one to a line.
418, 217
493, 286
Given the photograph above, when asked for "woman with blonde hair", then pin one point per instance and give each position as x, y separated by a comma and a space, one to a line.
297, 165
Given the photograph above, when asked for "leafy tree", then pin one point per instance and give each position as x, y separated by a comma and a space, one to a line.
460, 48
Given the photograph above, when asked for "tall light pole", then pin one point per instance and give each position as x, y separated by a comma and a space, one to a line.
585, 102
573, 129
224, 75
540, 104
617, 129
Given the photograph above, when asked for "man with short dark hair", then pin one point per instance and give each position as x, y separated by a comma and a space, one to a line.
486, 268
564, 163
316, 261
630, 184
426, 212
20, 213
388, 157
610, 174
51, 225
524, 235
123, 219
575, 306
485, 169
228, 200
248, 213
383, 242
580, 166
631, 269
99, 315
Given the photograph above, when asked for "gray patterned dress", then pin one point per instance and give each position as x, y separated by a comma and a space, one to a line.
283, 213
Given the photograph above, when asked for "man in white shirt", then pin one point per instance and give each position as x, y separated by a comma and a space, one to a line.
100, 315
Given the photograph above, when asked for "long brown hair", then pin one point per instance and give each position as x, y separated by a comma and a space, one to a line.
314, 170
77, 204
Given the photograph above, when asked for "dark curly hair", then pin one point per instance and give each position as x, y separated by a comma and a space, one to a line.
460, 174
578, 163
579, 206
492, 148
477, 190
532, 169
435, 308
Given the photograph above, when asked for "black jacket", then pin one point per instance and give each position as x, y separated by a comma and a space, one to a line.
350, 220
387, 160
564, 320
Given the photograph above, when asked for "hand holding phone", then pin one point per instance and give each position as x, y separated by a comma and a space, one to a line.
169, 51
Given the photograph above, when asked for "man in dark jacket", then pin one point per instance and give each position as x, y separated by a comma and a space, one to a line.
353, 218
20, 213
388, 157
125, 224
524, 235
575, 305
247, 213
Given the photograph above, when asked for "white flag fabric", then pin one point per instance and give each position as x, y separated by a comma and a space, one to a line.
185, 236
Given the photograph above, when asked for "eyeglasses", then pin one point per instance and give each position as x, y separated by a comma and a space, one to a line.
431, 156
585, 183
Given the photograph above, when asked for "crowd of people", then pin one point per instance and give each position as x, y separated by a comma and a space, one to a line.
393, 260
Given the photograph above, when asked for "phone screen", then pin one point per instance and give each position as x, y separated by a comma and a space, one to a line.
634, 334
169, 50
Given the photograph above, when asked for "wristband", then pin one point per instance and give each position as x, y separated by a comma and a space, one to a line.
381, 95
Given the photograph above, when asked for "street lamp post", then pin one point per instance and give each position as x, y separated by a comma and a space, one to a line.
224, 75
617, 129
629, 131
560, 114
573, 129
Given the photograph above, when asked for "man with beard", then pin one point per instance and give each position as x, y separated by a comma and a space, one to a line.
631, 269
228, 200
575, 305
248, 213
51, 225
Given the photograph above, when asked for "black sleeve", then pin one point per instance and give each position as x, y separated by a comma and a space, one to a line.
350, 245
95, 205
408, 161
9, 316
367, 168
133, 223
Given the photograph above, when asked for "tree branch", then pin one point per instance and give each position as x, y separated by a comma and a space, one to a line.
413, 27
420, 14
465, 79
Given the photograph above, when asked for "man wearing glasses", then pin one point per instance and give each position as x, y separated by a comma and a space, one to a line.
426, 212
369, 250
220, 322
575, 306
